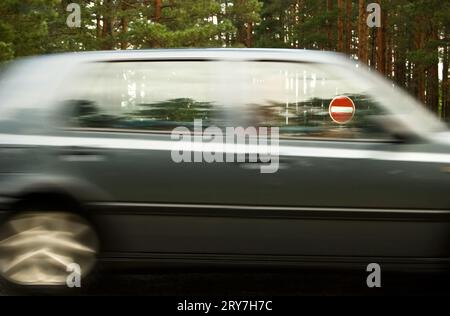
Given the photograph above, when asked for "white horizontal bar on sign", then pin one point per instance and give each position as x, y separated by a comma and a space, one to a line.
341, 109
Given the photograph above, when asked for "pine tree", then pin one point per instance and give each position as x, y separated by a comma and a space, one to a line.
24, 27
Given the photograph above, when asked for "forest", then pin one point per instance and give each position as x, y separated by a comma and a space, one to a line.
411, 46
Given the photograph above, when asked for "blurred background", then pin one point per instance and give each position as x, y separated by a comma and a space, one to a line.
411, 46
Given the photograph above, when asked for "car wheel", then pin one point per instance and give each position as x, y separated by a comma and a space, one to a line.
45, 249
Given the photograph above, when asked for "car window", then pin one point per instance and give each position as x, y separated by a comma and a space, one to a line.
159, 96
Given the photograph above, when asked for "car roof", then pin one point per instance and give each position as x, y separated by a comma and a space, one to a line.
294, 55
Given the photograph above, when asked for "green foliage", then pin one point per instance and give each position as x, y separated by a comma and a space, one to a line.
31, 27
6, 51
24, 26
415, 36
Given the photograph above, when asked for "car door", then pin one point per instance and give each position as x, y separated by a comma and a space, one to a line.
349, 189
123, 116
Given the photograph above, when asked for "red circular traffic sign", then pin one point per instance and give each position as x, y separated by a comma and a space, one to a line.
341, 109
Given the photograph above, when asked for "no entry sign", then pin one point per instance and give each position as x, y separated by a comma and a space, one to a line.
341, 109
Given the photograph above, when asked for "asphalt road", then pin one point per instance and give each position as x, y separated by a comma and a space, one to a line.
266, 283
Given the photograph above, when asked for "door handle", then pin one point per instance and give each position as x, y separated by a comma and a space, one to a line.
77, 154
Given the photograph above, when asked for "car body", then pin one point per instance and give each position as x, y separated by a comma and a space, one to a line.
375, 190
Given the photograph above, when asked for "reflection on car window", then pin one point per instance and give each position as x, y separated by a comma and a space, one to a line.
159, 96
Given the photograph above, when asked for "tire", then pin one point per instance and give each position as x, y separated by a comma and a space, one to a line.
47, 250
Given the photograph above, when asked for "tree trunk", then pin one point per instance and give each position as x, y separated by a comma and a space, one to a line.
124, 23
373, 47
158, 9
242, 30
432, 85
389, 54
419, 69
409, 82
445, 92
432, 96
340, 26
381, 43
363, 34
400, 70
330, 42
99, 26
445, 85
348, 27
107, 26
249, 40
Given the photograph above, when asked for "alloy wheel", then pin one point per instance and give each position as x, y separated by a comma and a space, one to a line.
38, 248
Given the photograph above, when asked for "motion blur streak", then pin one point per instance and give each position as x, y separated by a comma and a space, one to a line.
30, 140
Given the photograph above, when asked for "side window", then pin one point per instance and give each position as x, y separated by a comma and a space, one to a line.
154, 96
311, 100
303, 100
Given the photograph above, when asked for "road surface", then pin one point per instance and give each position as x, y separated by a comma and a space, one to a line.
223, 283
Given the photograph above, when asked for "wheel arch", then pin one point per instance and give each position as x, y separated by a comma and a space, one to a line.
62, 191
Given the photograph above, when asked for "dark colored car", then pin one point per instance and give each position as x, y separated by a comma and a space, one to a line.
89, 169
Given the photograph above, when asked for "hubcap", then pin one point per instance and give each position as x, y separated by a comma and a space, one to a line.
38, 248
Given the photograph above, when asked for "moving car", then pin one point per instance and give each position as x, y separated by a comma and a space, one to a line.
87, 173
